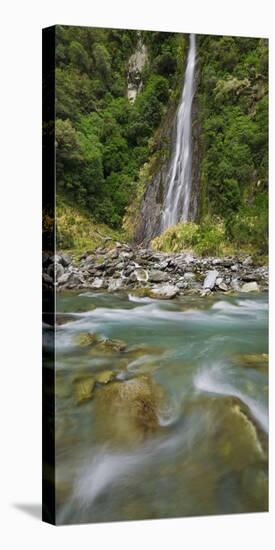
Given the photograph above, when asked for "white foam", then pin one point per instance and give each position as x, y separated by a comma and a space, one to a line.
207, 380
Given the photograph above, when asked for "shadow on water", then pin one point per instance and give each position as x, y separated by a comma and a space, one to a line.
33, 510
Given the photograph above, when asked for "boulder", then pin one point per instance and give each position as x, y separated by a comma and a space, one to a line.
235, 284
108, 345
158, 276
140, 275
85, 339
115, 284
250, 287
223, 287
104, 377
65, 260
59, 270
164, 292
210, 279
97, 283
248, 261
63, 279
189, 276
127, 411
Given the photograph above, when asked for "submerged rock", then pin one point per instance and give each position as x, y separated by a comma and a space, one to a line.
86, 339
257, 361
83, 389
127, 412
109, 345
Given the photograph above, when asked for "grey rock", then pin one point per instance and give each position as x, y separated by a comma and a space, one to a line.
97, 283
223, 286
234, 267
140, 275
235, 284
158, 276
189, 276
47, 278
210, 279
59, 270
115, 284
248, 261
250, 287
164, 292
64, 278
65, 260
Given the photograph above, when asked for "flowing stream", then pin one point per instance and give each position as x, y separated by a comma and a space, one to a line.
179, 186
208, 453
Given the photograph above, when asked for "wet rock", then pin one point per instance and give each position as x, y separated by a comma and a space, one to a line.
109, 345
85, 339
164, 292
250, 287
83, 389
63, 318
205, 292
257, 361
210, 279
114, 285
126, 412
104, 377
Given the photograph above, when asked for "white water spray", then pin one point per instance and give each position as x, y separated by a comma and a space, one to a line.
177, 200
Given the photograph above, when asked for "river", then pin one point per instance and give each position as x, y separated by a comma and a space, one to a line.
207, 357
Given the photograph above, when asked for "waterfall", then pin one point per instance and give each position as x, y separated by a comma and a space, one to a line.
179, 181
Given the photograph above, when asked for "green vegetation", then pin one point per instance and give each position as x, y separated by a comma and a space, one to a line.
233, 104
207, 239
102, 139
78, 232
109, 149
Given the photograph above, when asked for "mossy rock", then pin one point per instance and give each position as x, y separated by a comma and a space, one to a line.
85, 339
138, 350
143, 292
234, 438
83, 389
127, 412
104, 377
257, 361
109, 345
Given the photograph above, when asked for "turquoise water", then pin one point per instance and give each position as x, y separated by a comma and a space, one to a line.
208, 454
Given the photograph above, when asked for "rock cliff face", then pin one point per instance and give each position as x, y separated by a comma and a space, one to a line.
134, 77
153, 200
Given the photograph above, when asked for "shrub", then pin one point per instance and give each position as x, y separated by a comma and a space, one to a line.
207, 239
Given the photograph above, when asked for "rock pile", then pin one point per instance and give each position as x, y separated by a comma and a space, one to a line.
162, 275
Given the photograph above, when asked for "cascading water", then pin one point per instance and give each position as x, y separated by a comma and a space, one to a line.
178, 195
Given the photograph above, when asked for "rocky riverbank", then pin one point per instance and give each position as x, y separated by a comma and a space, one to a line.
154, 274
